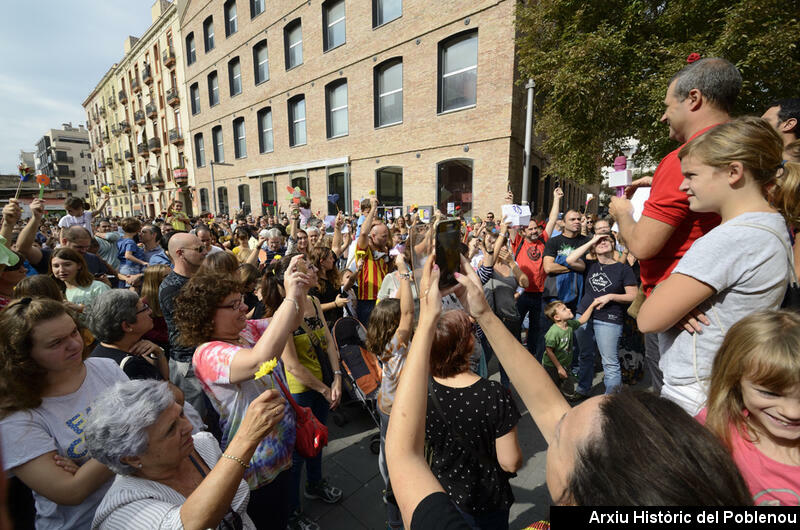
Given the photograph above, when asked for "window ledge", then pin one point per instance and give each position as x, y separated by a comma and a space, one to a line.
335, 47
394, 123
299, 145
266, 152
386, 23
339, 136
295, 66
262, 82
450, 111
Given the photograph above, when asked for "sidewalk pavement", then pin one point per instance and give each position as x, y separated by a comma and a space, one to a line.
349, 464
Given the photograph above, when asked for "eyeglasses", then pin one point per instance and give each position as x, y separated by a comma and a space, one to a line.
200, 249
236, 304
144, 308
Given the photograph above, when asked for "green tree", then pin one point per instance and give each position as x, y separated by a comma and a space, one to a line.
602, 68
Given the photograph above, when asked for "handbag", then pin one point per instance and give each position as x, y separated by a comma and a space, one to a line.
322, 355
636, 305
312, 435
791, 300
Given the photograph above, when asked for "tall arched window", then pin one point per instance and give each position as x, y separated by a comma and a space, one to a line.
458, 71
244, 198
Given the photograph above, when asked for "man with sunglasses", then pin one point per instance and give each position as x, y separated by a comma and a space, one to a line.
187, 252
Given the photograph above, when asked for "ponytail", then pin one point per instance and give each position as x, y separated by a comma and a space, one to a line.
785, 195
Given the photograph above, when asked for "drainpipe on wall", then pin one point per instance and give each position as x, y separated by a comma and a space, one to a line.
526, 163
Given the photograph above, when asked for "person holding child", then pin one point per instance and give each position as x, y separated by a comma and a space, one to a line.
77, 214
754, 404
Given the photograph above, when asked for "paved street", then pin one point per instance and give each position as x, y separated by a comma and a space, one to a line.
349, 464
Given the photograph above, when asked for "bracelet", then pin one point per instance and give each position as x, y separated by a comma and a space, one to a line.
404, 275
236, 459
296, 305
337, 372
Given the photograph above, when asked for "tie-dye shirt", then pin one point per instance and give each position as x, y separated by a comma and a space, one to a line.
212, 364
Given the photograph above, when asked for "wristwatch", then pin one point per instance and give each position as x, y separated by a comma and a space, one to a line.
404, 275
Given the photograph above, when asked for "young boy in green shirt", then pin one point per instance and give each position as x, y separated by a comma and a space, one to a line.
558, 340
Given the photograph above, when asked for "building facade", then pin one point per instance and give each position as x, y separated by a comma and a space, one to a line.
63, 155
344, 97
136, 115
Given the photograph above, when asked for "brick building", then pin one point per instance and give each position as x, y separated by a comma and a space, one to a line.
417, 101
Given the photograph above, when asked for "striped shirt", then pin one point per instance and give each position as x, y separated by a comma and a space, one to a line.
135, 503
371, 275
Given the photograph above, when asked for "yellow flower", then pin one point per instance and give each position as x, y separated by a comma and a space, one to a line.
372, 192
266, 368
105, 189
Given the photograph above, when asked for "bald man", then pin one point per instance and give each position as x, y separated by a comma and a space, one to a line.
188, 252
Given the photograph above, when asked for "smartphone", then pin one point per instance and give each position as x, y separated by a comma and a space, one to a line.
448, 237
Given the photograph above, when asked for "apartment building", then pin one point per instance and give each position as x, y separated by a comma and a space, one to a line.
413, 100
63, 155
136, 118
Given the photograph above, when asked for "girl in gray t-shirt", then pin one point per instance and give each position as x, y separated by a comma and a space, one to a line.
739, 267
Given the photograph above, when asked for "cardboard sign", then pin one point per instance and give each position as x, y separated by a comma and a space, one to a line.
517, 215
425, 213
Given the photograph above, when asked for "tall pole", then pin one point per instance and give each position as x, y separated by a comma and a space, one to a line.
213, 189
526, 167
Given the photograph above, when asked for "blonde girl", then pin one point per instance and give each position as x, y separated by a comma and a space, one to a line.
754, 404
153, 276
742, 266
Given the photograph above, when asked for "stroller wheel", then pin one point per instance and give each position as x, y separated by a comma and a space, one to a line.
375, 445
339, 419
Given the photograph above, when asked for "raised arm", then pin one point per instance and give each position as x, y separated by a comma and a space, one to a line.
26, 237
337, 234
11, 214
558, 193
367, 225
575, 258
285, 320
102, 205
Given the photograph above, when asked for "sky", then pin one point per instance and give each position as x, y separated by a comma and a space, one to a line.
52, 55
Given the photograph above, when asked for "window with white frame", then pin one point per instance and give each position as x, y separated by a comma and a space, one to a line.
458, 71
213, 89
235, 76
293, 43
194, 97
265, 138
231, 22
208, 33
336, 108
191, 54
239, 141
216, 138
384, 11
333, 24
297, 120
199, 150
260, 62
389, 92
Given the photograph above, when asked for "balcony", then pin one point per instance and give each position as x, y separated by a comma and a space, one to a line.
117, 158
125, 127
112, 103
154, 144
65, 173
64, 160
142, 148
151, 110
181, 176
109, 162
104, 136
135, 86
96, 117
172, 97
128, 156
148, 185
158, 180
139, 118
102, 111
147, 75
115, 130
123, 97
99, 142
175, 137
169, 58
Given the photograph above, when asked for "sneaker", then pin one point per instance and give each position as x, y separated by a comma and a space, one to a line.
298, 521
323, 491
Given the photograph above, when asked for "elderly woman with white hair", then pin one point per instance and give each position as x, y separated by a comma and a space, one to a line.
167, 477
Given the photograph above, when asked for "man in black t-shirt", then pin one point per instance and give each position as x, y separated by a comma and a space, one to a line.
563, 283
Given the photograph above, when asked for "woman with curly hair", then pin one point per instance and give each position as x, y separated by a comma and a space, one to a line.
210, 311
46, 386
328, 285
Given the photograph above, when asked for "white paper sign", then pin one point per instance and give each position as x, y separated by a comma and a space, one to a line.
517, 215
398, 212
619, 178
329, 221
639, 197
451, 207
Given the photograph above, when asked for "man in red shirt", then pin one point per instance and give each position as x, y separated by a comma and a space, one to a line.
528, 248
700, 96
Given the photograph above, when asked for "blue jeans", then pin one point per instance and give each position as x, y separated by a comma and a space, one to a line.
530, 304
320, 407
593, 336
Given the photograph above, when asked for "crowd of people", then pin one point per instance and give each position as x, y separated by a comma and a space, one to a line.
153, 367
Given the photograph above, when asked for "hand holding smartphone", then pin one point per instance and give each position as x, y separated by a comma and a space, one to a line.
448, 257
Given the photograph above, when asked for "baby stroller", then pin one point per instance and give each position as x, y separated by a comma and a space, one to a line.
361, 370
